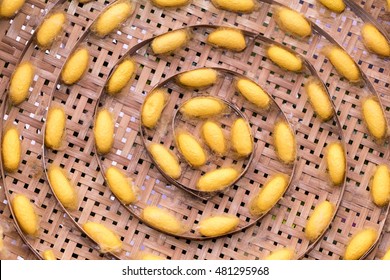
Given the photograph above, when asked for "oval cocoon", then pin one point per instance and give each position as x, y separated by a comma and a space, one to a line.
284, 141
49, 255
293, 22
319, 220
112, 18
121, 76
202, 107
336, 163
62, 187
214, 137
253, 93
121, 186
386, 256
107, 240
380, 186
153, 107
21, 81
217, 179
319, 99
25, 215
284, 58
227, 38
218, 225
374, 40
75, 67
170, 41
243, 6
360, 243
242, 140
8, 8
281, 254
374, 118
170, 3
11, 149
162, 220
55, 127
336, 6
166, 160
269, 194
343, 63
50, 29
191, 149
104, 131
198, 78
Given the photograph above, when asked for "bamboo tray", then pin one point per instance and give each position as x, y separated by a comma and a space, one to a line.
283, 225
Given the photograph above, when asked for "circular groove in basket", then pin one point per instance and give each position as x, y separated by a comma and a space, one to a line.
50, 8
366, 17
144, 131
3, 110
134, 210
332, 40
268, 41
336, 123
129, 54
84, 37
360, 12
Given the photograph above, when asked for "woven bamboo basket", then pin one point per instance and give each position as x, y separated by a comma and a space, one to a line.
256, 237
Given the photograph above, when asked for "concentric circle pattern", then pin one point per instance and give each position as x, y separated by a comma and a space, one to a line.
181, 195
309, 181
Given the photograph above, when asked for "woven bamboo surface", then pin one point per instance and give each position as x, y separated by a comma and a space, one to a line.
284, 224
